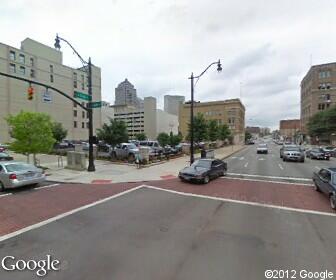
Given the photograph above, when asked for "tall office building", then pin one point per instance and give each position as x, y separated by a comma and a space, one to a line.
172, 103
38, 62
125, 94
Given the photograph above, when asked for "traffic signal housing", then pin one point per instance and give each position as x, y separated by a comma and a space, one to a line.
30, 93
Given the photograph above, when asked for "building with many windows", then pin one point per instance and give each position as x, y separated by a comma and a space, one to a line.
172, 103
230, 112
125, 94
318, 91
44, 64
289, 129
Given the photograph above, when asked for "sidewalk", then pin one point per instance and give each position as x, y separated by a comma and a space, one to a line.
108, 172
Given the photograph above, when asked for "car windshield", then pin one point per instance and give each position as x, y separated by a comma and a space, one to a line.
318, 150
131, 146
202, 163
262, 145
18, 167
297, 149
4, 155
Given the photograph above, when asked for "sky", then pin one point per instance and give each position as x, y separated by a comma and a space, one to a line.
265, 46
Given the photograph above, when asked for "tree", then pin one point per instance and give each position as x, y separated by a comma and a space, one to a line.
141, 136
224, 132
200, 128
113, 133
163, 139
323, 123
248, 136
59, 133
175, 139
213, 132
32, 133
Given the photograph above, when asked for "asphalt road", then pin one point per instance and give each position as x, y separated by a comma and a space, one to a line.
152, 234
249, 162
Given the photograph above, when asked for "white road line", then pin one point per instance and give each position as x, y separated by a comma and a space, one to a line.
246, 202
48, 186
246, 164
318, 168
280, 166
268, 181
3, 195
241, 158
270, 177
48, 221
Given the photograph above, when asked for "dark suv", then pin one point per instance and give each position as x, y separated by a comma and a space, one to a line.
325, 181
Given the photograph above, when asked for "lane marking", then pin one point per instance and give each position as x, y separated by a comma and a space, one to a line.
246, 164
241, 158
261, 159
6, 194
270, 177
60, 216
268, 181
48, 186
318, 168
246, 202
280, 166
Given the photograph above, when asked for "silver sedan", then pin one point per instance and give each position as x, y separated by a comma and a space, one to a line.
15, 174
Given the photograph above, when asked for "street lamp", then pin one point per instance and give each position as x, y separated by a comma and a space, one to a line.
87, 66
192, 77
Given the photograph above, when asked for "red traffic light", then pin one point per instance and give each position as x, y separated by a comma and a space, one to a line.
30, 93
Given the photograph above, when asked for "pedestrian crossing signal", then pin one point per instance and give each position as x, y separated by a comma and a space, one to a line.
30, 93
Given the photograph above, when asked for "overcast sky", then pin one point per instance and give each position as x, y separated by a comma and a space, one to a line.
265, 46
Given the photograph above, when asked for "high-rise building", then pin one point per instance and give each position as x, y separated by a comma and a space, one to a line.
230, 112
38, 62
318, 91
172, 103
126, 94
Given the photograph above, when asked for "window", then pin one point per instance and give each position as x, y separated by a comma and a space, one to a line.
83, 114
75, 113
51, 78
32, 73
22, 58
12, 68
83, 82
87, 115
32, 62
51, 69
75, 104
75, 124
87, 125
83, 125
12, 55
22, 70
75, 79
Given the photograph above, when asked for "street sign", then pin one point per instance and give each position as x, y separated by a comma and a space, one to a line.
82, 95
46, 96
96, 104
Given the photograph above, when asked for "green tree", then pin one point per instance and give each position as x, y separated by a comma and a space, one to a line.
163, 139
32, 133
200, 128
213, 130
224, 132
323, 123
175, 139
59, 133
113, 133
248, 136
141, 136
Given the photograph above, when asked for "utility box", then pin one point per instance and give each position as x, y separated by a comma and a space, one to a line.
144, 153
210, 154
76, 161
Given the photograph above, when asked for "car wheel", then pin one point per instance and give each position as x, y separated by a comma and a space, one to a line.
328, 158
206, 180
2, 187
114, 155
332, 199
303, 160
316, 188
283, 159
131, 157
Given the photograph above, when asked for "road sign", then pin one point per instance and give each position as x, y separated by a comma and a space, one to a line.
83, 96
46, 96
97, 104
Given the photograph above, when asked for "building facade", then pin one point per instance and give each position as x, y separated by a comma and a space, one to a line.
318, 91
172, 103
254, 130
230, 112
44, 64
126, 94
289, 129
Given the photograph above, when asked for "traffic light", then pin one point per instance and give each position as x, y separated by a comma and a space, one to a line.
30, 93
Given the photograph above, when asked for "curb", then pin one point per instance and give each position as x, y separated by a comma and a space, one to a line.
234, 153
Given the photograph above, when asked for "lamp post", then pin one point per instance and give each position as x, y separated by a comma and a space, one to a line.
192, 77
87, 66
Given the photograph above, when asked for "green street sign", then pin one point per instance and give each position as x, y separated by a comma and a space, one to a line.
97, 104
83, 96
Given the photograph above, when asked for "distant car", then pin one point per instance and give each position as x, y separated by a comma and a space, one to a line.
262, 149
317, 153
325, 181
249, 142
86, 146
15, 174
284, 146
125, 151
331, 150
293, 154
203, 170
5, 157
154, 145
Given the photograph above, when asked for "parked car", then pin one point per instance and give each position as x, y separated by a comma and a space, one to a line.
125, 151
169, 150
203, 170
317, 153
293, 154
156, 149
331, 150
262, 148
325, 181
284, 146
86, 146
5, 157
249, 142
15, 174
